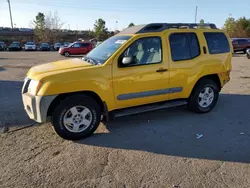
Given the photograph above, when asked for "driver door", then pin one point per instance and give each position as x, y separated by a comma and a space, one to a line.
146, 79
75, 49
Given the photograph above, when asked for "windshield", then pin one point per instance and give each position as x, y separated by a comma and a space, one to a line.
106, 49
44, 44
14, 45
58, 44
29, 43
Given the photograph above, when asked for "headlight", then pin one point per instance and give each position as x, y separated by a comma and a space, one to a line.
34, 87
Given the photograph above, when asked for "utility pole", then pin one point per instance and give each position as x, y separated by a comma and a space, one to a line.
10, 14
196, 10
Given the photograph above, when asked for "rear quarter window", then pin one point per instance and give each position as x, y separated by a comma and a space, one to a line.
217, 42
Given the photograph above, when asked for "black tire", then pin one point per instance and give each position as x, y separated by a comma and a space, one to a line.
193, 102
66, 54
68, 103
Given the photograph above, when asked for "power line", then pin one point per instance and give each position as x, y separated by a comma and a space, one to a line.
196, 10
97, 7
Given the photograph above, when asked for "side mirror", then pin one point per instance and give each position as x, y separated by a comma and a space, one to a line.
127, 60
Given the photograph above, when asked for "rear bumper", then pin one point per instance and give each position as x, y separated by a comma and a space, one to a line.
37, 106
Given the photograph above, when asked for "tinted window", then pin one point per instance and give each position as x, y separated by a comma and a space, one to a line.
144, 51
243, 41
184, 46
85, 44
194, 45
217, 43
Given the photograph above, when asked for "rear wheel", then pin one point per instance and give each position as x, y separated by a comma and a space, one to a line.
66, 54
76, 117
204, 97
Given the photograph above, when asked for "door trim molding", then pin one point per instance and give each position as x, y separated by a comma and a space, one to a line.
151, 93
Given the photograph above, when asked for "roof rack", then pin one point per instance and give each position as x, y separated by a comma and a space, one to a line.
158, 27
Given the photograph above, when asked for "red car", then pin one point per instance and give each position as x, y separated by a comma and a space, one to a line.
240, 44
76, 48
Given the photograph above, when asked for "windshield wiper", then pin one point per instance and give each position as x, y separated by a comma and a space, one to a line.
91, 60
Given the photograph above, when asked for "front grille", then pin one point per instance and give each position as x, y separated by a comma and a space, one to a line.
26, 85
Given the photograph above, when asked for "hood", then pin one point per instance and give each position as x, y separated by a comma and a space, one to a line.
56, 67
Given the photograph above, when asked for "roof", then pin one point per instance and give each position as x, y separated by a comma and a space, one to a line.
158, 27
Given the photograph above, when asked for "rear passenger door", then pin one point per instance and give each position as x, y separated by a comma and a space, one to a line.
84, 48
242, 44
185, 59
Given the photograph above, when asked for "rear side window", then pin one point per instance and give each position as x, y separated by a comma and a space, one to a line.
217, 43
243, 41
85, 44
184, 46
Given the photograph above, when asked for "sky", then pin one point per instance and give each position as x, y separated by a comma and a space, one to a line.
81, 14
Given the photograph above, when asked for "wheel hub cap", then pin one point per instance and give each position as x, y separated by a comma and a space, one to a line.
206, 97
77, 119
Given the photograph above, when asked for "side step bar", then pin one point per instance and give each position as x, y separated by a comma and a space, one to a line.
147, 108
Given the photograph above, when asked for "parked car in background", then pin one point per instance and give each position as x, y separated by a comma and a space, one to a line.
77, 48
248, 53
18, 44
15, 47
240, 44
44, 46
30, 46
2, 46
57, 45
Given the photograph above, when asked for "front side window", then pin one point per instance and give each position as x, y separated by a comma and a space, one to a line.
76, 45
144, 51
217, 43
184, 46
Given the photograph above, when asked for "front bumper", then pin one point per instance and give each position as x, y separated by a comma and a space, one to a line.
248, 53
29, 48
37, 106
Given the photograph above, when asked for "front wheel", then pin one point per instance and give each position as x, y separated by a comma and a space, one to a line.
76, 117
66, 54
204, 97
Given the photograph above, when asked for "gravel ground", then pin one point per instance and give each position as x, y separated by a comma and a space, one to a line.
155, 149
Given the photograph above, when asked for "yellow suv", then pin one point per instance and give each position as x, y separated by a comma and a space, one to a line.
143, 68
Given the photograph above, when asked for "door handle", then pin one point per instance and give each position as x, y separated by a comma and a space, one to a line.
204, 50
162, 70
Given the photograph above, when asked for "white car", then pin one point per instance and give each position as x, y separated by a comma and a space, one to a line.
30, 46
248, 53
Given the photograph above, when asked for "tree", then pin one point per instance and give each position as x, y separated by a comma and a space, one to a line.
47, 27
230, 26
39, 24
101, 32
237, 28
202, 24
243, 27
53, 25
131, 24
